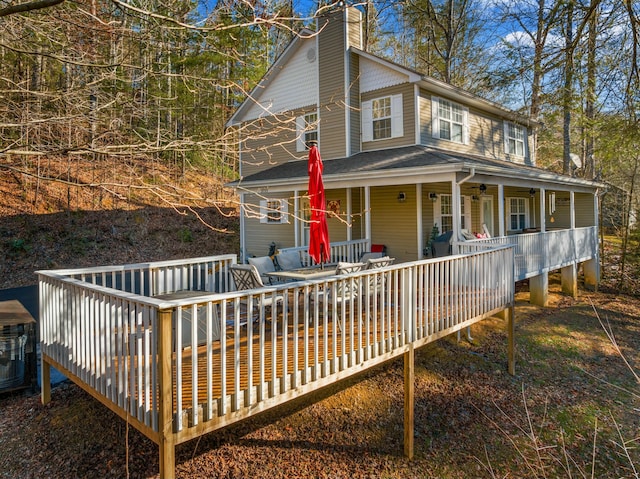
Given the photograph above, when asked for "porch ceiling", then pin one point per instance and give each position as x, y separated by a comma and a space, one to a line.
412, 164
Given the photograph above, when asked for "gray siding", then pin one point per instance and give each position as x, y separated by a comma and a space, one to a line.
270, 141
408, 112
394, 224
332, 49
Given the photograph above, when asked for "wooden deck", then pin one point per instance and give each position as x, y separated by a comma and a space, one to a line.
164, 376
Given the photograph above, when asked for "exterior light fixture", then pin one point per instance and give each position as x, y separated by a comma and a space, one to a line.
433, 197
532, 192
402, 197
483, 189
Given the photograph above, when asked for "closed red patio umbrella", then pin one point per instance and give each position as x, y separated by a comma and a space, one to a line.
318, 232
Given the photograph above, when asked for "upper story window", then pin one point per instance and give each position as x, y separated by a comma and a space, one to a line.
306, 130
514, 139
382, 118
517, 213
273, 211
450, 121
381, 113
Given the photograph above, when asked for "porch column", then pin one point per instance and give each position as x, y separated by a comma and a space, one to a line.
243, 245
543, 212
367, 214
455, 207
570, 280
570, 273
419, 226
591, 272
501, 219
349, 214
296, 218
539, 289
591, 268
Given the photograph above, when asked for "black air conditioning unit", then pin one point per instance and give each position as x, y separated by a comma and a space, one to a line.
17, 347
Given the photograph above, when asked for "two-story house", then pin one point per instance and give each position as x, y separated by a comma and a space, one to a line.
402, 152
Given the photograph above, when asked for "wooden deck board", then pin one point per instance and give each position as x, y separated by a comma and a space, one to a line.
318, 343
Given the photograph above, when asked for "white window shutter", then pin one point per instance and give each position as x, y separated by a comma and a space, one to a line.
284, 209
367, 121
467, 212
437, 214
397, 117
506, 137
466, 126
263, 211
435, 120
300, 125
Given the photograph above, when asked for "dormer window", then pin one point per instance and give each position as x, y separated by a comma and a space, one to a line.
514, 139
382, 118
306, 130
450, 121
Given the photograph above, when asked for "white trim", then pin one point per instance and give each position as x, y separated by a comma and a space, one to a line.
347, 96
367, 212
296, 218
416, 106
419, 225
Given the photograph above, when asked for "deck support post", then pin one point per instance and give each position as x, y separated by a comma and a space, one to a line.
570, 280
539, 289
591, 274
409, 401
166, 436
45, 381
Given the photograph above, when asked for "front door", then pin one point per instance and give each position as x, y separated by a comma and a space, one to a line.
486, 213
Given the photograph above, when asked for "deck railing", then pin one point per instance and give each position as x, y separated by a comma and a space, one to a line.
212, 359
208, 273
350, 251
537, 253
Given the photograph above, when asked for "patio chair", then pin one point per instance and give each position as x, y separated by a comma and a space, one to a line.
246, 277
441, 246
377, 281
288, 260
369, 255
264, 265
344, 291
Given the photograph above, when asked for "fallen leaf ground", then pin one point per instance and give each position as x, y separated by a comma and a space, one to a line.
473, 420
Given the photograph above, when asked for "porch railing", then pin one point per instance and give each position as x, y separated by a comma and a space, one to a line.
211, 360
537, 253
350, 251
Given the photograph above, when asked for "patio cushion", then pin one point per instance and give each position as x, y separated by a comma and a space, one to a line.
288, 260
264, 265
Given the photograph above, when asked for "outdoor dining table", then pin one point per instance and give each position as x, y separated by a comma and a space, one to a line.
302, 274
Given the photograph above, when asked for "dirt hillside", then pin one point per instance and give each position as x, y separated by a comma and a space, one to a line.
155, 216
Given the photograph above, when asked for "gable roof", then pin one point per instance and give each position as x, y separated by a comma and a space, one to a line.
405, 165
254, 96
